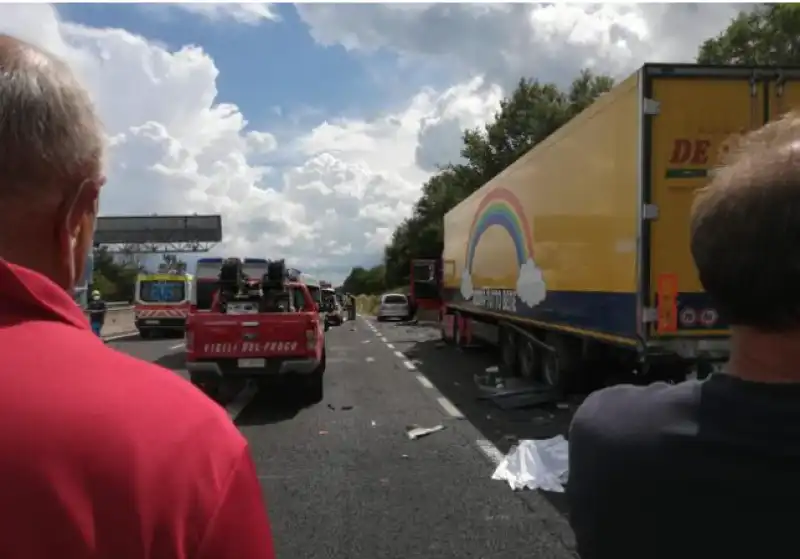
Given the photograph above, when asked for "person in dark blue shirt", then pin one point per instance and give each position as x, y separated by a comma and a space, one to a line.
711, 468
97, 312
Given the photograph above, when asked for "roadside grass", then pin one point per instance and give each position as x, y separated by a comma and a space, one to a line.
368, 304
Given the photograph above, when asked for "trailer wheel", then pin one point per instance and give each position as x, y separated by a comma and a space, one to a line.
529, 359
508, 350
443, 329
551, 373
457, 329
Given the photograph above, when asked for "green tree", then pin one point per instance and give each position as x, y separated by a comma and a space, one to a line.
115, 281
767, 34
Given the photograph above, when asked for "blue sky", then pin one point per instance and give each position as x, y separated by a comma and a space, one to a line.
313, 132
270, 70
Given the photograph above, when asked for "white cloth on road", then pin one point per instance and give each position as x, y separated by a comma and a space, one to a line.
536, 464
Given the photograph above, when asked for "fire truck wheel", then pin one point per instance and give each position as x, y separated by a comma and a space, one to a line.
209, 388
313, 384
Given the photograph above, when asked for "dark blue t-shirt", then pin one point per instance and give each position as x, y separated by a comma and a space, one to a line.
700, 469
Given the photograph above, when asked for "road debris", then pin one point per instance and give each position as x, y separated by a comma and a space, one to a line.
513, 393
415, 432
491, 380
342, 408
536, 464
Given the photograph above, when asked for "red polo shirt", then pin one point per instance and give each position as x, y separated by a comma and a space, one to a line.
106, 456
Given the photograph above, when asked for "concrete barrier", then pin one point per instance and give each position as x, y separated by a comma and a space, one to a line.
118, 321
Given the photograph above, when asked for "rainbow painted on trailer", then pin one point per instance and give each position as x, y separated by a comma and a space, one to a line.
502, 208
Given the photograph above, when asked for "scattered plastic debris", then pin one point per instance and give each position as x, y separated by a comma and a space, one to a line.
373, 423
343, 408
491, 380
513, 393
563, 406
366, 341
323, 432
415, 432
536, 464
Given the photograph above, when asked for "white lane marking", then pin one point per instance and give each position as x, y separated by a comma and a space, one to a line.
490, 451
241, 401
384, 340
399, 355
390, 346
449, 407
423, 380
178, 346
120, 336
370, 359
410, 366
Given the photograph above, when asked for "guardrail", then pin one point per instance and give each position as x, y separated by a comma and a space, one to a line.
119, 319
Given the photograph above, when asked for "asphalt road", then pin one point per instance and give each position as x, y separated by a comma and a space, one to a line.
342, 479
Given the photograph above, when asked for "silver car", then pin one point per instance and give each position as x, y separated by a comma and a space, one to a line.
394, 305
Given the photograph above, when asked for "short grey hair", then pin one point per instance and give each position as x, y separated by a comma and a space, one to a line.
50, 134
745, 230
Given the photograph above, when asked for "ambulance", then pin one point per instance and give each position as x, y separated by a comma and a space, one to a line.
161, 302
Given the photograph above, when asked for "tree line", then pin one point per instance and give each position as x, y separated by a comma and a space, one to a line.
116, 279
768, 34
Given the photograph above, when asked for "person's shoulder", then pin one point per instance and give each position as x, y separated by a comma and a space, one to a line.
156, 382
634, 413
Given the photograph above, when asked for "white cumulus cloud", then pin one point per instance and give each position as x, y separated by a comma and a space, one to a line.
175, 147
531, 287
248, 14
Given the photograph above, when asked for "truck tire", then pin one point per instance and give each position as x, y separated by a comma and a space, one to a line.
210, 388
508, 351
529, 359
566, 374
145, 333
314, 385
457, 339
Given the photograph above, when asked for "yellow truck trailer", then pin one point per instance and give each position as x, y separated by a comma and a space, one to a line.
575, 259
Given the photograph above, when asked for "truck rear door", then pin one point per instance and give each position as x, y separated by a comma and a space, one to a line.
783, 92
698, 113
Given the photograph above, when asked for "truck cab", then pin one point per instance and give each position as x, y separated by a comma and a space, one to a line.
426, 288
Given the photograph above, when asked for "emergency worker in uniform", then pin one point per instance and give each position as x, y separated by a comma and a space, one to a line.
97, 312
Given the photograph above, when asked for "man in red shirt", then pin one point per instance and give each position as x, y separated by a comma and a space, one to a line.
101, 455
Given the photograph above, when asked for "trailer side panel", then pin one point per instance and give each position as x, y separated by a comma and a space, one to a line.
552, 239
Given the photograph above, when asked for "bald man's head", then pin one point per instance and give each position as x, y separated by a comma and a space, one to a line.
49, 133
51, 157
